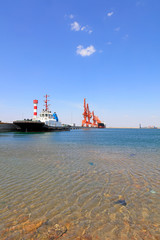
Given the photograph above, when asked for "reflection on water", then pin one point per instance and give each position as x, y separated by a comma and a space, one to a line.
96, 184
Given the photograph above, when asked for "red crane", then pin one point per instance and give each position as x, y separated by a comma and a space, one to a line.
86, 122
96, 120
89, 115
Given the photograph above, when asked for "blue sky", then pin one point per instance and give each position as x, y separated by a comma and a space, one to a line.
105, 51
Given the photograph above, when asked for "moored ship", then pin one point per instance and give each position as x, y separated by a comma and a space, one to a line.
46, 121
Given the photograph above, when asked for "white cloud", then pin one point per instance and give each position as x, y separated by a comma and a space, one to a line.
109, 43
85, 51
126, 37
86, 29
83, 28
71, 16
75, 26
117, 29
110, 14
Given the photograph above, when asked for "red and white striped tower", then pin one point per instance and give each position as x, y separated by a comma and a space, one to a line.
35, 102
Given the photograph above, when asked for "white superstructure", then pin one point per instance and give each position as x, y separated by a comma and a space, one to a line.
46, 115
48, 118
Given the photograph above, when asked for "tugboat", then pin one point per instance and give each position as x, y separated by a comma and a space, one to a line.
44, 123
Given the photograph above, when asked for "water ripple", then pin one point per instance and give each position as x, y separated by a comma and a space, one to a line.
52, 182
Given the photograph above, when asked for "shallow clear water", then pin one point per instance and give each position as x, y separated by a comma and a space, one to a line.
76, 179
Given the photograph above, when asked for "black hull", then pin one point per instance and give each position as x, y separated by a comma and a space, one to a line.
101, 125
33, 126
7, 127
53, 129
29, 126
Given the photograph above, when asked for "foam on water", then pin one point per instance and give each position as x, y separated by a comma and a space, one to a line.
74, 179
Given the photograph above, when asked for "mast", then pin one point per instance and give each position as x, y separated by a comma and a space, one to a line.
46, 102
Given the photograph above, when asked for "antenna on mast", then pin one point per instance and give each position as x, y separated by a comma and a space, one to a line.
46, 102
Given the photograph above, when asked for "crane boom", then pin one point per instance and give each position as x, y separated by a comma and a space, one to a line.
87, 116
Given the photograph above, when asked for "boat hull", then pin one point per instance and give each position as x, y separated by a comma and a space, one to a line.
35, 126
29, 126
101, 125
7, 127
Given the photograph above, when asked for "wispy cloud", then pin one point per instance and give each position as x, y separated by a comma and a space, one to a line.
85, 51
86, 29
109, 43
117, 29
75, 26
125, 37
83, 28
109, 14
71, 16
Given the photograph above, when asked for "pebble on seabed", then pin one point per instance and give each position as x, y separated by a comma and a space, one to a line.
91, 163
122, 202
152, 191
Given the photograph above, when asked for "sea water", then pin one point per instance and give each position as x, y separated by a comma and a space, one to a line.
94, 183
